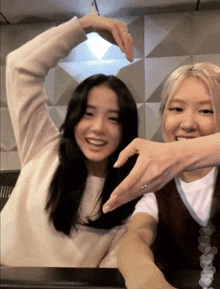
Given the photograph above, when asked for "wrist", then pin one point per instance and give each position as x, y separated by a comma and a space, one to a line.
196, 153
87, 24
182, 155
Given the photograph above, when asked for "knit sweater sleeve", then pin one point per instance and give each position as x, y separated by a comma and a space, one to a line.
110, 259
26, 70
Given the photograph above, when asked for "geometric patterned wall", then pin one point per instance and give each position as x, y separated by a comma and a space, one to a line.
162, 42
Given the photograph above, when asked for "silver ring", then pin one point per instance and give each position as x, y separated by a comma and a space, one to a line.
143, 186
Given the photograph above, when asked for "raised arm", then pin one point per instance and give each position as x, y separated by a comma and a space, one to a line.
27, 68
135, 259
158, 163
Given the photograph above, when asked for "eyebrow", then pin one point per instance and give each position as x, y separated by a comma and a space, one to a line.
110, 110
200, 102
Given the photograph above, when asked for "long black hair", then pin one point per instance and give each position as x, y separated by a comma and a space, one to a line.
68, 183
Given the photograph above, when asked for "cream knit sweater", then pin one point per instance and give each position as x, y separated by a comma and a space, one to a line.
27, 237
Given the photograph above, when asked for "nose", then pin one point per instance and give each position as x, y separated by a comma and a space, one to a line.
98, 125
188, 121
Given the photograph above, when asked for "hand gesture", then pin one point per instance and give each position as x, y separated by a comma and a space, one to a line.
111, 30
156, 165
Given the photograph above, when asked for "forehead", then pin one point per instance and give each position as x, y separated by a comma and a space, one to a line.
192, 89
103, 97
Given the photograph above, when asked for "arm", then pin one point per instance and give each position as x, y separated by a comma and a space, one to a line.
27, 68
158, 163
135, 258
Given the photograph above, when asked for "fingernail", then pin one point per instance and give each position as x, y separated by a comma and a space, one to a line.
105, 209
115, 164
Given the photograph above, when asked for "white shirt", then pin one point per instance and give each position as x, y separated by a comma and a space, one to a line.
197, 197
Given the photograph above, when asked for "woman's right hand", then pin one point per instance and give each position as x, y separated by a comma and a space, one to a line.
113, 31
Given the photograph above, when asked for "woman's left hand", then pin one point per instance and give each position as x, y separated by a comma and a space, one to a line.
113, 31
156, 165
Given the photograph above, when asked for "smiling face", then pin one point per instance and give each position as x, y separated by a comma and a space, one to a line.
189, 113
98, 133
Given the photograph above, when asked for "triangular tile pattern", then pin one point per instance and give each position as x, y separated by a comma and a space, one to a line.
178, 42
80, 53
141, 119
64, 86
49, 86
61, 110
57, 114
136, 29
151, 119
133, 76
168, 35
157, 70
164, 33
206, 28
113, 53
97, 45
214, 58
81, 70
157, 136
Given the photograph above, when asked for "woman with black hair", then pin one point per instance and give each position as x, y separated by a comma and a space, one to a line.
54, 217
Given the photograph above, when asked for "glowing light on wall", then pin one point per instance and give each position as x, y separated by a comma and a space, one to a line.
97, 45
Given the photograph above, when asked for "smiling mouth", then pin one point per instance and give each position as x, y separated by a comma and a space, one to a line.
178, 138
95, 142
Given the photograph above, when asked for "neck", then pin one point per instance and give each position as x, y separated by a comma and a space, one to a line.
97, 169
194, 175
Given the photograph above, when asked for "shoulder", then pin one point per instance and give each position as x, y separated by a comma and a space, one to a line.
147, 204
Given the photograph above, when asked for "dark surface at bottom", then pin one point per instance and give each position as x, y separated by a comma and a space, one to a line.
85, 278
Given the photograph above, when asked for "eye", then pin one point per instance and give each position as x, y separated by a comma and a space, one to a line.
114, 119
175, 109
206, 111
88, 114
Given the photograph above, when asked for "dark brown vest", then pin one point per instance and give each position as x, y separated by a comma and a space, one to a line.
176, 245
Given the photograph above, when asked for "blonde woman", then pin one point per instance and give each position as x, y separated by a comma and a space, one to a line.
169, 224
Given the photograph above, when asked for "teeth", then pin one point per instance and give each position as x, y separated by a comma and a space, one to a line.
96, 142
182, 138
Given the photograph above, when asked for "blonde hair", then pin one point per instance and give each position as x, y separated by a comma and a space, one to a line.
206, 72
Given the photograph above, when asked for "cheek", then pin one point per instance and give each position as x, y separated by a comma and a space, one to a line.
168, 125
116, 136
78, 130
210, 127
